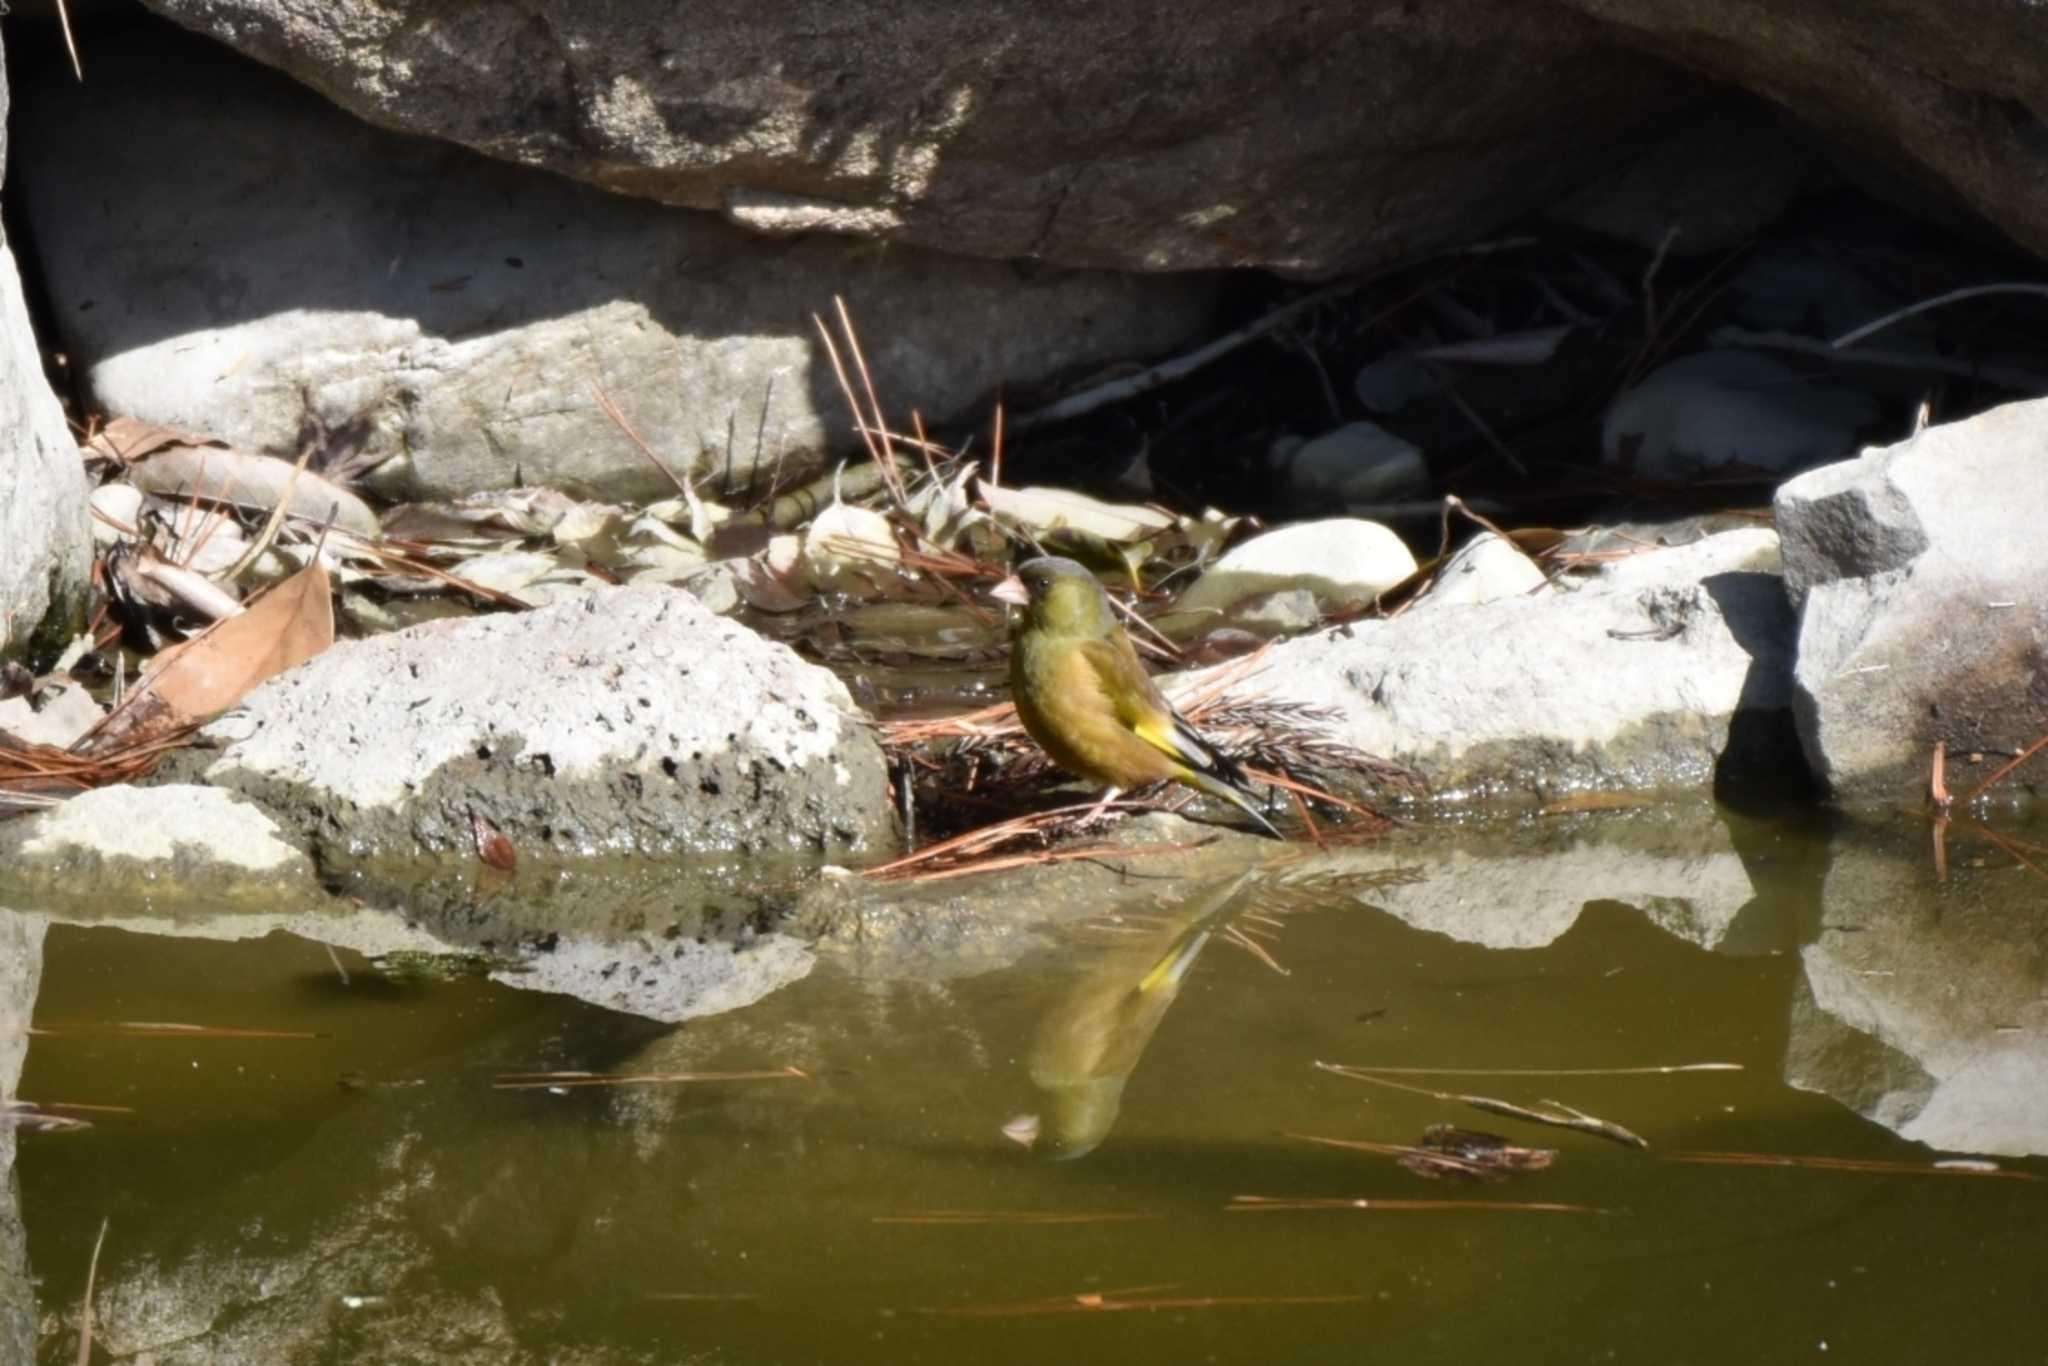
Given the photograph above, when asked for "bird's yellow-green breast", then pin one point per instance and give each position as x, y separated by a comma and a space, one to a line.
1079, 688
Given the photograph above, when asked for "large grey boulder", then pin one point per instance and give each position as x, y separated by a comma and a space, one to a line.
270, 258
1919, 570
1669, 670
1945, 98
1311, 139
633, 721
45, 539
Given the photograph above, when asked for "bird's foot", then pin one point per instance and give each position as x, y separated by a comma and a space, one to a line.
1099, 814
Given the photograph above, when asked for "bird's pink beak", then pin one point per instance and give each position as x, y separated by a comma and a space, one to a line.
1012, 591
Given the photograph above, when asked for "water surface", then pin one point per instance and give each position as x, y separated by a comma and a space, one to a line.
367, 1194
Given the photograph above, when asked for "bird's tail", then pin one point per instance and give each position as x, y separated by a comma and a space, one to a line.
1237, 797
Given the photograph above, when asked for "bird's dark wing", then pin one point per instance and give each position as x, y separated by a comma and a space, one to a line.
1144, 710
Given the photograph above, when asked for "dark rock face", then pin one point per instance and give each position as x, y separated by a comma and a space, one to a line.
1918, 569
271, 258
1944, 96
1310, 138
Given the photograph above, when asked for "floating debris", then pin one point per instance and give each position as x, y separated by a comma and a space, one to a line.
562, 1081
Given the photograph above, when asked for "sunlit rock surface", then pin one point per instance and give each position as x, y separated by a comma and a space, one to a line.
45, 541
1918, 570
1668, 670
1928, 1020
633, 721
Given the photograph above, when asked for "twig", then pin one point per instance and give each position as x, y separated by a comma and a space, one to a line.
92, 1272
263, 539
1234, 934
1260, 1204
534, 1081
2029, 752
1100, 1302
995, 461
1464, 1166
980, 1217
1537, 1071
1131, 386
1650, 279
2010, 849
611, 410
153, 1029
1559, 1116
1847, 1164
2004, 376
1471, 415
70, 46
1855, 335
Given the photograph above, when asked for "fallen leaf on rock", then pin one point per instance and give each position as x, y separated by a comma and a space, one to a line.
128, 439
138, 578
204, 676
769, 579
1041, 510
849, 548
491, 844
164, 461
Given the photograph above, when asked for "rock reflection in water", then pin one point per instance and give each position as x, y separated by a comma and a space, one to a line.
1920, 1006
1091, 1040
21, 967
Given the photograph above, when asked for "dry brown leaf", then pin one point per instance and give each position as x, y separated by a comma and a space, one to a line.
129, 439
492, 846
262, 482
206, 675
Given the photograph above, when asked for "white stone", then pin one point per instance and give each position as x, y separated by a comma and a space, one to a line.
1719, 410
1343, 560
1485, 568
1357, 463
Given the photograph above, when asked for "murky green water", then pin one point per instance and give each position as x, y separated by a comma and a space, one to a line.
367, 1194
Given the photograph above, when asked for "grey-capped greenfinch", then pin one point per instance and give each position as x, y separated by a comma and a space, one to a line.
1084, 697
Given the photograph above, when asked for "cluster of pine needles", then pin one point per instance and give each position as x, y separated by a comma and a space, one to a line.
974, 789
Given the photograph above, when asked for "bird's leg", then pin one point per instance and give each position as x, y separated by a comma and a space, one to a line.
1098, 814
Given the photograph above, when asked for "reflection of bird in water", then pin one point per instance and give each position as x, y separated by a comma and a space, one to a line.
1084, 697
1090, 1042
